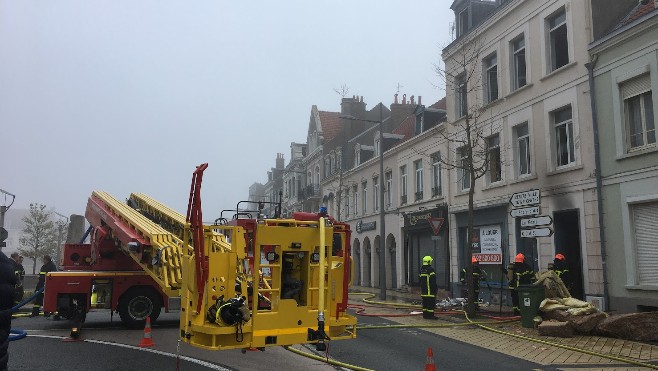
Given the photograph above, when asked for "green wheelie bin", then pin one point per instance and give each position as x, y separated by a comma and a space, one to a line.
530, 297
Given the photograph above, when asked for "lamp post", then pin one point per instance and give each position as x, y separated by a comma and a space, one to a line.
60, 236
3, 210
382, 224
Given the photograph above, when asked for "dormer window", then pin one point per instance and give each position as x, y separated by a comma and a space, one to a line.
463, 22
377, 146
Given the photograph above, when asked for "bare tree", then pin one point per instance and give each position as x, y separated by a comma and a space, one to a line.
472, 137
39, 234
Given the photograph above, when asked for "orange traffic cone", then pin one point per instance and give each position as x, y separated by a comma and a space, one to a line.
146, 339
429, 364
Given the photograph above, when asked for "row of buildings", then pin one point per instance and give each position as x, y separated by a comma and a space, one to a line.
553, 100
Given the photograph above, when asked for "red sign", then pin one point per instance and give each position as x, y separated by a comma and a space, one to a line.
489, 258
436, 224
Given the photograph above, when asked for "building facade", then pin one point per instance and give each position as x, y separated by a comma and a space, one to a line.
625, 75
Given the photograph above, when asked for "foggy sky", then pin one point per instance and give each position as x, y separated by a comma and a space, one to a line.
129, 96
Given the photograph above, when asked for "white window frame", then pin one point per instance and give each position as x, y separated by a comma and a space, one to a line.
403, 181
639, 88
515, 54
464, 175
518, 153
551, 32
490, 71
347, 202
389, 189
436, 174
355, 193
375, 193
569, 131
364, 200
493, 149
461, 96
418, 171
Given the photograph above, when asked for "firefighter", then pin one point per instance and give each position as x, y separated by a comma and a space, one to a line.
7, 285
477, 277
48, 266
519, 273
428, 288
561, 269
19, 272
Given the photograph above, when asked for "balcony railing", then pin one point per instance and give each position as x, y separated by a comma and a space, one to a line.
418, 196
436, 191
403, 200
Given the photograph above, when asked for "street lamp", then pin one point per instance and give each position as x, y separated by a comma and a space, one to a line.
60, 236
382, 238
3, 210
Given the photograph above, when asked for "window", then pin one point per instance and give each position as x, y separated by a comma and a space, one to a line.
493, 154
518, 63
523, 149
347, 202
419, 125
491, 78
317, 176
389, 189
464, 168
645, 234
403, 184
377, 146
557, 39
463, 22
375, 193
364, 199
436, 174
357, 155
418, 169
564, 145
355, 204
460, 96
638, 113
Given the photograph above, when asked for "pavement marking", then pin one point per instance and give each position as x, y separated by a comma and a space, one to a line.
159, 352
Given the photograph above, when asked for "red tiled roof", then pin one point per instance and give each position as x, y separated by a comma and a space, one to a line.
406, 127
638, 12
440, 104
331, 124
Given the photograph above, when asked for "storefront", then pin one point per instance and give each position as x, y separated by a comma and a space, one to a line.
426, 232
489, 243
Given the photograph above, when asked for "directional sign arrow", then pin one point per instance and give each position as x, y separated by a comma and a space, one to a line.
525, 198
524, 211
539, 220
536, 232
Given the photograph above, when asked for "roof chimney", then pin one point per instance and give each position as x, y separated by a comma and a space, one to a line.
395, 101
411, 99
280, 162
419, 97
404, 98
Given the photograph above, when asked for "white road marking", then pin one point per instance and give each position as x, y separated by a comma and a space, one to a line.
159, 352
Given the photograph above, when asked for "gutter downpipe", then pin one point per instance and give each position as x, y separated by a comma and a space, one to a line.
599, 181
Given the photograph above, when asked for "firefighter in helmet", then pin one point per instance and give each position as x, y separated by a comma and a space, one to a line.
561, 269
519, 273
428, 288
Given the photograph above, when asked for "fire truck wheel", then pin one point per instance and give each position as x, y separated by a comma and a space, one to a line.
137, 304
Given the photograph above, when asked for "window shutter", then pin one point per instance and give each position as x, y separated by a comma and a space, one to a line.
635, 86
646, 242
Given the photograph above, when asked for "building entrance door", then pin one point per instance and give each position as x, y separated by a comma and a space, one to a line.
567, 242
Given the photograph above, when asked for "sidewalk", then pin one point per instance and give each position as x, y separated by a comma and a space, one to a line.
584, 352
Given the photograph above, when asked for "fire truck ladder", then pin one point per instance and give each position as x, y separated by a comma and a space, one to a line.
155, 249
171, 220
